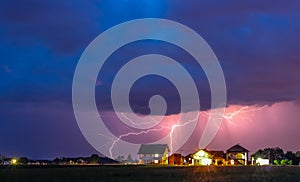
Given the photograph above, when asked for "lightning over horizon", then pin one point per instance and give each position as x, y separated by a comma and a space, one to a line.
231, 113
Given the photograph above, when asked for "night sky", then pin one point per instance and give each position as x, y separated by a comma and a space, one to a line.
257, 44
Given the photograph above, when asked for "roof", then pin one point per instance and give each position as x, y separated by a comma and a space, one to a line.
176, 155
153, 148
237, 148
189, 155
205, 150
215, 153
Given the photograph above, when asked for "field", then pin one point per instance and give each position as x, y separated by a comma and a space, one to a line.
149, 173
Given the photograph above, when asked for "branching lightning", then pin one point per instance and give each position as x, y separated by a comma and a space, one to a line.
244, 109
128, 134
161, 127
173, 127
229, 116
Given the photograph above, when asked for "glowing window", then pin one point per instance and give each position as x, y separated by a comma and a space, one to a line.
240, 156
206, 161
14, 161
232, 162
261, 161
201, 153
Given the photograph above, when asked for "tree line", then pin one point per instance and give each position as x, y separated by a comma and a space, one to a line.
277, 156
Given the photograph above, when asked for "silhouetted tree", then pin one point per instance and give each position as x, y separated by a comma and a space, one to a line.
298, 154
56, 161
23, 160
120, 158
291, 157
94, 158
2, 157
129, 158
261, 154
274, 154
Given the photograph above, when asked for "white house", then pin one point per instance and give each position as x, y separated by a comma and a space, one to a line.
153, 154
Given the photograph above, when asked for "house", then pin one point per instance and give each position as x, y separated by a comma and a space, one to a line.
205, 157
260, 157
175, 159
237, 155
261, 162
201, 157
188, 160
153, 154
218, 157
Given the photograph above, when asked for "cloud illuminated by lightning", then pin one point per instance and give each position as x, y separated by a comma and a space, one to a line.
172, 129
229, 116
237, 113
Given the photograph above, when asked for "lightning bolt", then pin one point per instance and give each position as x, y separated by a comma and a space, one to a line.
244, 109
229, 116
179, 125
172, 129
128, 134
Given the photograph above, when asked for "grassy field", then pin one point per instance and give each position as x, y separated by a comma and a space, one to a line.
150, 173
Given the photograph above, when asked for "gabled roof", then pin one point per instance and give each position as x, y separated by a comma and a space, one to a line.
216, 153
237, 148
205, 150
201, 153
176, 155
189, 155
153, 148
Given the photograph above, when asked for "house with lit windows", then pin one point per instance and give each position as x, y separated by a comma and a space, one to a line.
205, 157
158, 154
218, 157
202, 157
237, 155
153, 154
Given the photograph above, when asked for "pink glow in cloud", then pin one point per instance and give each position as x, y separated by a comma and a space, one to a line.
268, 126
254, 127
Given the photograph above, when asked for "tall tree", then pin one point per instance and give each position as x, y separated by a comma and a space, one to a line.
129, 158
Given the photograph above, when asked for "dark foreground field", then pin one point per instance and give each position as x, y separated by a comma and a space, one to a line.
150, 173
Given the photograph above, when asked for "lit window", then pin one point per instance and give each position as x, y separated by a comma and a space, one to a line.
261, 161
232, 162
156, 155
156, 161
201, 153
240, 156
206, 161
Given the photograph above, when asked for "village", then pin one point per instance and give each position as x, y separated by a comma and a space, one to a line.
236, 155
159, 154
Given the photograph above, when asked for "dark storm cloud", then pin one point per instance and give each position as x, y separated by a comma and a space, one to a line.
64, 26
256, 43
